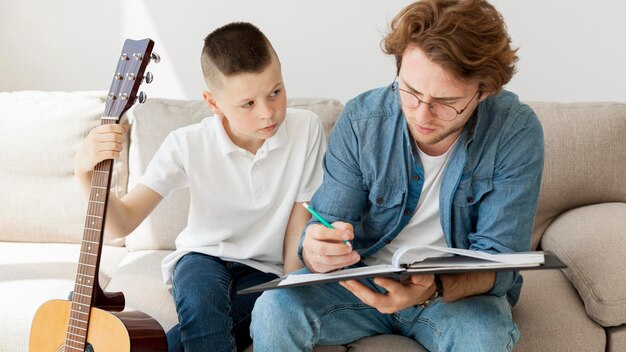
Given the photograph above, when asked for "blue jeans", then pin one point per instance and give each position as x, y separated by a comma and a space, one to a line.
211, 315
328, 314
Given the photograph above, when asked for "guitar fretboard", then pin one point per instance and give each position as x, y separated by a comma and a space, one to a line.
86, 276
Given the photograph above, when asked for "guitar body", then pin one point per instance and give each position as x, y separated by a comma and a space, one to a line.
94, 320
108, 331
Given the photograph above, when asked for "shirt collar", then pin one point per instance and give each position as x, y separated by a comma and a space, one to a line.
223, 141
227, 146
280, 139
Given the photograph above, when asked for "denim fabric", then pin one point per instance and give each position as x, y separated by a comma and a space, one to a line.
328, 314
488, 196
212, 317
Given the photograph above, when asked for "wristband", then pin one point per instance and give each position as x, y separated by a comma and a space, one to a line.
438, 293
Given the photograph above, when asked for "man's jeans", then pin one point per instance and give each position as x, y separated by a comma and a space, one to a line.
212, 317
297, 319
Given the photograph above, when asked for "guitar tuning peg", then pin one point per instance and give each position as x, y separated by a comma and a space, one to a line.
148, 77
155, 57
142, 97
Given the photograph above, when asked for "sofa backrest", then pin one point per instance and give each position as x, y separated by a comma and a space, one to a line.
584, 162
40, 133
150, 124
39, 136
585, 158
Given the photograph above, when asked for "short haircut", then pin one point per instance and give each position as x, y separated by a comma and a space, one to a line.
468, 38
237, 47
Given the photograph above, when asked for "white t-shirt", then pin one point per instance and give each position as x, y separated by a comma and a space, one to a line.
424, 228
240, 202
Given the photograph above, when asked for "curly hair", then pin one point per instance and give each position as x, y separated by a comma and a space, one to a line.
468, 38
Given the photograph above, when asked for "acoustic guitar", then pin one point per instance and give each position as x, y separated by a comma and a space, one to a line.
91, 319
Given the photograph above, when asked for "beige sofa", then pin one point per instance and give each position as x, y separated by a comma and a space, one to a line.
581, 217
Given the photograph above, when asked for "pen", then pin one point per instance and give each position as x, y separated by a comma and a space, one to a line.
321, 219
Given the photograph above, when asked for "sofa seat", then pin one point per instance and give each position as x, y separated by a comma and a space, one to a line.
139, 277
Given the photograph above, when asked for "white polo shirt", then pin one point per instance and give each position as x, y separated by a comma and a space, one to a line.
240, 202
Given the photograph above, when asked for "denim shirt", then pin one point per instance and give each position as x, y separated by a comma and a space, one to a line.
488, 197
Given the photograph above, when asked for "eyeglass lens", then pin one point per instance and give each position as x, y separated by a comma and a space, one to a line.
438, 110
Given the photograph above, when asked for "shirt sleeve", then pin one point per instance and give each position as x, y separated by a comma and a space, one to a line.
341, 196
313, 172
506, 214
166, 171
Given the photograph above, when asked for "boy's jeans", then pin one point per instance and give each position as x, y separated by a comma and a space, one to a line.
212, 317
297, 319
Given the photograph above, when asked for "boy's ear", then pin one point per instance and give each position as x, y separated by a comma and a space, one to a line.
211, 102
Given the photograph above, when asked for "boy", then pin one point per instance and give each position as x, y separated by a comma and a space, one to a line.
249, 167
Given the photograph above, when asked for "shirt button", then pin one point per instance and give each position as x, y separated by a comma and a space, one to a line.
407, 212
415, 177
379, 200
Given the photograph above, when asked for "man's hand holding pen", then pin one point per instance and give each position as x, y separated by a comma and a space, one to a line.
326, 249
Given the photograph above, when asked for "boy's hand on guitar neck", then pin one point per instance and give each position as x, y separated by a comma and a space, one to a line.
103, 142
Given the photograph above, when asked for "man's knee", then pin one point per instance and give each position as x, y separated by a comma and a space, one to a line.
267, 308
283, 308
482, 322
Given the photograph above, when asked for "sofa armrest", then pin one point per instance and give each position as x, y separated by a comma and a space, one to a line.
592, 242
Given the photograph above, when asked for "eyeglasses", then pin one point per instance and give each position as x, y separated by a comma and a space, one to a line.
441, 111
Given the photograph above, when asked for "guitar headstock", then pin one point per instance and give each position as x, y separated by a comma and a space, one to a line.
129, 74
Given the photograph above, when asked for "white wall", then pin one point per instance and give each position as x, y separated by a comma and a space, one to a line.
569, 50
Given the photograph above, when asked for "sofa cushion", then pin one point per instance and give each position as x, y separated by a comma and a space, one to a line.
616, 339
591, 240
550, 317
584, 157
139, 277
39, 136
327, 109
386, 342
150, 124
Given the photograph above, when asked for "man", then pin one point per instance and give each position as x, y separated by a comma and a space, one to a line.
443, 156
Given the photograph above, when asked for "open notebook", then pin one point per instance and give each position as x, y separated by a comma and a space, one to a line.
424, 260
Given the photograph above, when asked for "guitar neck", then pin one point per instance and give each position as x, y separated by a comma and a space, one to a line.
93, 234
129, 74
86, 284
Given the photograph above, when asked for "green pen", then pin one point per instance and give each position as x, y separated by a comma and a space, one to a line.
322, 220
